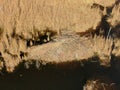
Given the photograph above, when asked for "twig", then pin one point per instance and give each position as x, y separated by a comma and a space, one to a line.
109, 32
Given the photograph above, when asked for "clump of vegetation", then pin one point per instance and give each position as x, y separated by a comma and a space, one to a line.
98, 85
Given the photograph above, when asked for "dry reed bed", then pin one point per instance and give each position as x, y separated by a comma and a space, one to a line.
65, 49
24, 16
23, 20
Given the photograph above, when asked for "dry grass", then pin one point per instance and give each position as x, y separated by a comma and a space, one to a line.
105, 3
41, 14
23, 20
116, 50
65, 48
114, 19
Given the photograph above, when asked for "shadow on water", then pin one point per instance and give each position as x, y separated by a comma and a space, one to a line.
65, 76
48, 78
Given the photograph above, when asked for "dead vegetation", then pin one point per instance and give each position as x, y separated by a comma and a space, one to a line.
25, 30
56, 15
99, 84
60, 31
